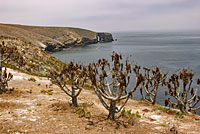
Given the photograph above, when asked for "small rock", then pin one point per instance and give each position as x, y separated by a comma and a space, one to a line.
145, 110
174, 130
91, 123
87, 127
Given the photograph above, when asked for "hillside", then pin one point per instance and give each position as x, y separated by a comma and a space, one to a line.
34, 41
53, 38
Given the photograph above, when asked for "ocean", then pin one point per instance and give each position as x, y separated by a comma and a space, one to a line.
170, 51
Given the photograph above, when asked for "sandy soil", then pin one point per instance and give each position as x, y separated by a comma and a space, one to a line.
27, 110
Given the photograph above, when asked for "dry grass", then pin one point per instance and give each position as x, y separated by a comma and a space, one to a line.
43, 113
9, 105
54, 35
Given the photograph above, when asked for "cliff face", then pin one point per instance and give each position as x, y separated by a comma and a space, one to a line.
54, 38
104, 37
78, 41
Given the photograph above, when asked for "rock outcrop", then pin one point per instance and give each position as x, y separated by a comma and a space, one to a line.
104, 37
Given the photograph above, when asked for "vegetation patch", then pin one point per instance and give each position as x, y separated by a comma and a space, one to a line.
166, 110
29, 91
178, 114
32, 79
49, 91
43, 91
129, 114
81, 111
39, 104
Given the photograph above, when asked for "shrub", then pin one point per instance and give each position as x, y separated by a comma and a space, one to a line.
153, 79
32, 79
81, 111
180, 89
110, 82
29, 91
43, 91
75, 74
50, 93
8, 53
39, 104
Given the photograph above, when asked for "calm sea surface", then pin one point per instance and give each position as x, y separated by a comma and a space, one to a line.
168, 50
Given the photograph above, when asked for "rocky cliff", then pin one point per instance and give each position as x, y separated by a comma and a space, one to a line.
104, 37
53, 38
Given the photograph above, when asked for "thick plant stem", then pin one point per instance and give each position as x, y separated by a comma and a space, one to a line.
74, 101
154, 99
112, 110
74, 98
2, 89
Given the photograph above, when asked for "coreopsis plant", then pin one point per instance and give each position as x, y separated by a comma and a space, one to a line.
8, 53
185, 97
71, 79
153, 79
111, 82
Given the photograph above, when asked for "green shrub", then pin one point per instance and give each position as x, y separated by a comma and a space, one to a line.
128, 114
50, 93
32, 79
50, 90
43, 91
81, 111
29, 91
39, 104
166, 109
179, 115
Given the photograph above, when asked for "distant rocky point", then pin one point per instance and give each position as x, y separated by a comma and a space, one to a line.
53, 38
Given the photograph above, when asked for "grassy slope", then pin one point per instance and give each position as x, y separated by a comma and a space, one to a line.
57, 31
54, 35
30, 40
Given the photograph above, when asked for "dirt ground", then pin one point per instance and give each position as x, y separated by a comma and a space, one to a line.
27, 110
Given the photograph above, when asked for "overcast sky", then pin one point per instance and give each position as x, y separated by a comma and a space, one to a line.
104, 15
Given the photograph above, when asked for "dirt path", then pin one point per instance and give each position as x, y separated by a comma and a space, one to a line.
27, 110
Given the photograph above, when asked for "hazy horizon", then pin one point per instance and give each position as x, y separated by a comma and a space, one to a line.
105, 15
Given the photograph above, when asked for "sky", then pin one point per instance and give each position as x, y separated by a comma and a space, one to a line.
104, 15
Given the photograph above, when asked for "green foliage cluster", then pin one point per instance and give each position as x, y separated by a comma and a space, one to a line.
178, 114
29, 91
129, 114
81, 111
32, 79
39, 104
165, 109
49, 91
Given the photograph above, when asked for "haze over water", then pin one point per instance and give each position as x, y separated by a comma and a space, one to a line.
168, 50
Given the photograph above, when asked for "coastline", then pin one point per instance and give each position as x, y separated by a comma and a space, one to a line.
53, 39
